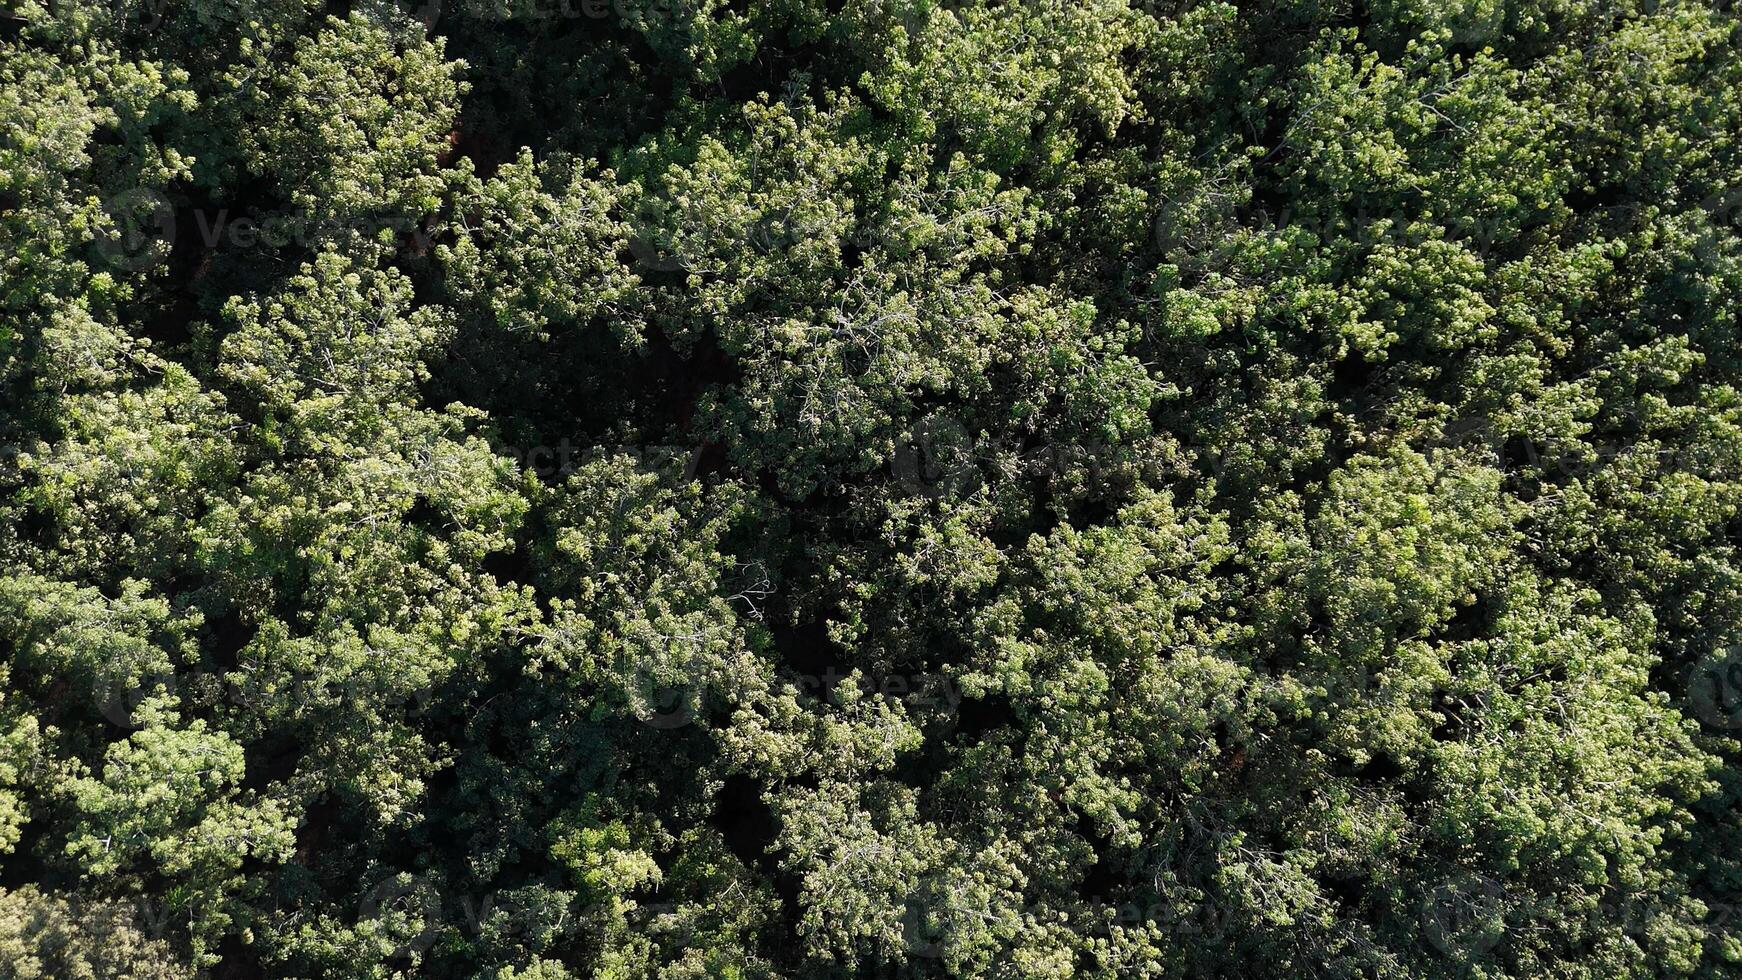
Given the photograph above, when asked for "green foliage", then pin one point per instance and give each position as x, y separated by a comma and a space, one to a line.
45, 936
631, 488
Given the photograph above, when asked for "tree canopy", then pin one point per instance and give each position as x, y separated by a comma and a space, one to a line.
540, 489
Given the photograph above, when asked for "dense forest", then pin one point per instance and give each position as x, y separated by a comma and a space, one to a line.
542, 489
